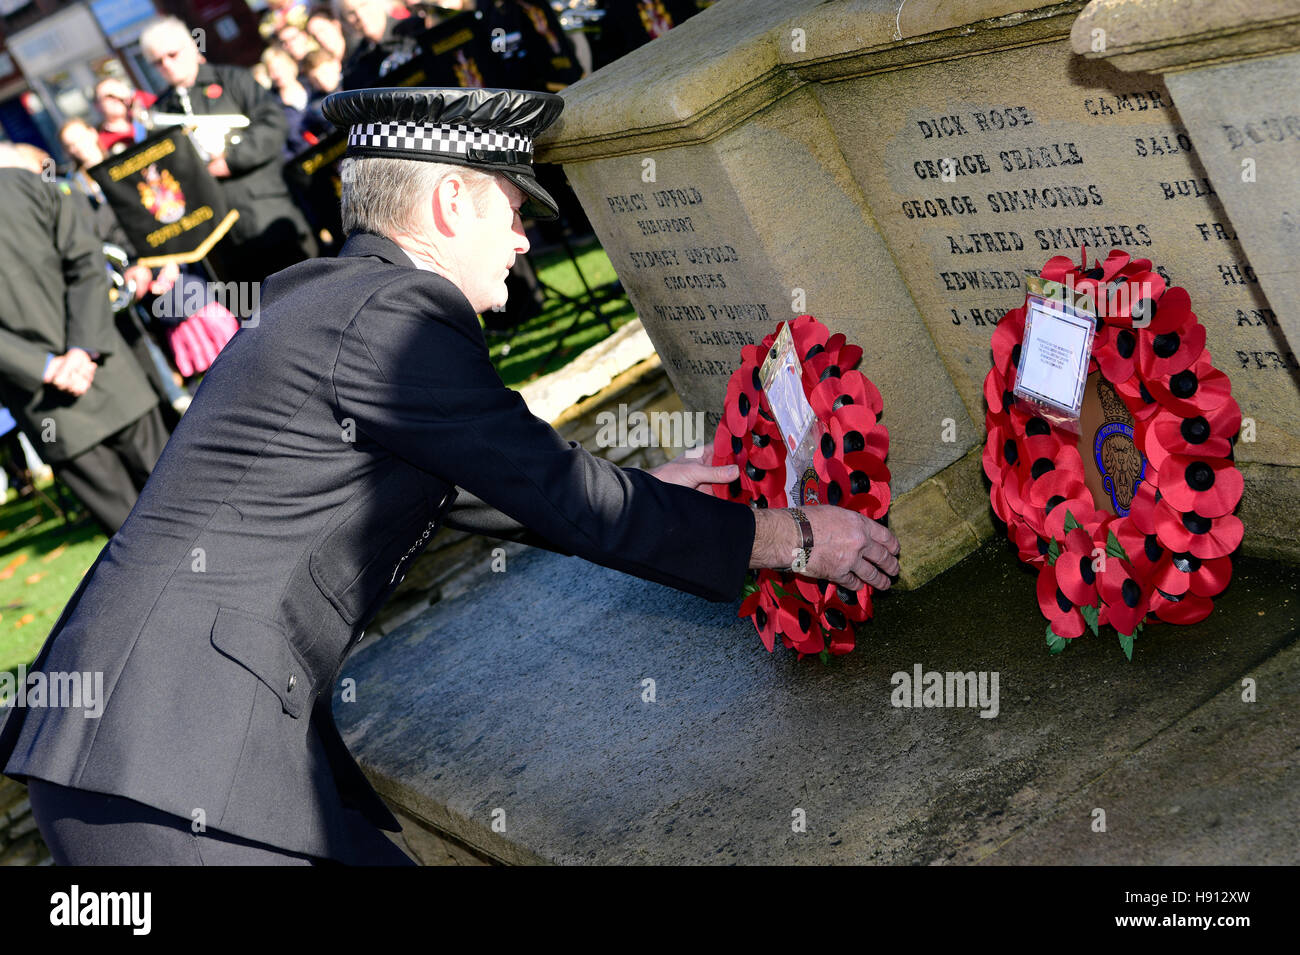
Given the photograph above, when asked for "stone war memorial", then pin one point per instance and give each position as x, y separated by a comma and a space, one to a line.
903, 172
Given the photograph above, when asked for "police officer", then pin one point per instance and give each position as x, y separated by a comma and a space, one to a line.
326, 447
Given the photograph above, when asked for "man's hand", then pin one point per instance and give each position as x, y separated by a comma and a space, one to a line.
167, 276
73, 371
140, 277
218, 168
848, 549
691, 471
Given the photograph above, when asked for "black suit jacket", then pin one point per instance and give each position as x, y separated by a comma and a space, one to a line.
322, 451
54, 296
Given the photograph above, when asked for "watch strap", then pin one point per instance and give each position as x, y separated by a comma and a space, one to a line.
804, 553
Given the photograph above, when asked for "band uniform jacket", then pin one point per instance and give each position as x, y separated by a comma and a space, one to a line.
54, 296
324, 449
255, 153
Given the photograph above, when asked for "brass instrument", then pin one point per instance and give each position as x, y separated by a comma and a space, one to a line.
121, 291
209, 134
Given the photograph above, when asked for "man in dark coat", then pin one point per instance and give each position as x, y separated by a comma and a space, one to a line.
67, 375
324, 449
271, 233
381, 43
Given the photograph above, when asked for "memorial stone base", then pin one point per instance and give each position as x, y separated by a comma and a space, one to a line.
561, 713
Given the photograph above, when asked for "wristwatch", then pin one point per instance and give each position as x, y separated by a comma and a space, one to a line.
803, 553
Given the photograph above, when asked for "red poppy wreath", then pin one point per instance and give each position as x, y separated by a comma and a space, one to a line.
848, 469
1159, 546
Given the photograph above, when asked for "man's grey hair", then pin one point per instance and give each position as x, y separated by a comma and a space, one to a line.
158, 31
384, 196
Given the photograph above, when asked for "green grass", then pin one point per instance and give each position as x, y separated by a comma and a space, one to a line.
42, 559
549, 336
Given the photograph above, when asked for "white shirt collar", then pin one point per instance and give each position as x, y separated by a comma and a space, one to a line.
418, 262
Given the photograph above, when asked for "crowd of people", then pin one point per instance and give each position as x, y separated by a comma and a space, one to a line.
311, 51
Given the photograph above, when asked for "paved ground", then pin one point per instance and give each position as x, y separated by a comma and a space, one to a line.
20, 841
522, 703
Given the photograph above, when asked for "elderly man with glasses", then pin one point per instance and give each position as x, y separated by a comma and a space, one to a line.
271, 233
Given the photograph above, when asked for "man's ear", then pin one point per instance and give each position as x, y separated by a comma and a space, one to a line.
451, 205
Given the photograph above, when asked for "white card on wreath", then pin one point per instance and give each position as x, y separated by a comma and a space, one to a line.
782, 378
1054, 356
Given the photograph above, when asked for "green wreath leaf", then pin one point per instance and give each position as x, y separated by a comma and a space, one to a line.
1055, 644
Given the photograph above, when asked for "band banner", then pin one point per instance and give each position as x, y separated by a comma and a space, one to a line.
313, 178
458, 52
167, 202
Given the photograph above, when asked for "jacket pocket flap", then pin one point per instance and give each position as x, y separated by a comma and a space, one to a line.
263, 649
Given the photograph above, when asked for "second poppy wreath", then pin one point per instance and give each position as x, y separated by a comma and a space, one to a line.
847, 469
1131, 521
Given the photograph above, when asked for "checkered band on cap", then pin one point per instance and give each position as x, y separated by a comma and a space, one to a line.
442, 140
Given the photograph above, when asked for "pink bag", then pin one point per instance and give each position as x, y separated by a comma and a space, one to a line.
196, 341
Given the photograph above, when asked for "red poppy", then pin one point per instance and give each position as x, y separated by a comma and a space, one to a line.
852, 431
1056, 268
1129, 298
809, 336
761, 606
1167, 310
997, 394
1076, 574
730, 449
797, 626
1164, 355
1045, 477
1209, 434
1080, 508
819, 368
1185, 609
1007, 336
1143, 550
848, 389
1142, 511
1032, 547
1067, 495
854, 489
1126, 597
1194, 390
1209, 486
1001, 452
766, 450
213, 90
1140, 402
1115, 350
1179, 573
1203, 537
1060, 611
853, 604
744, 394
